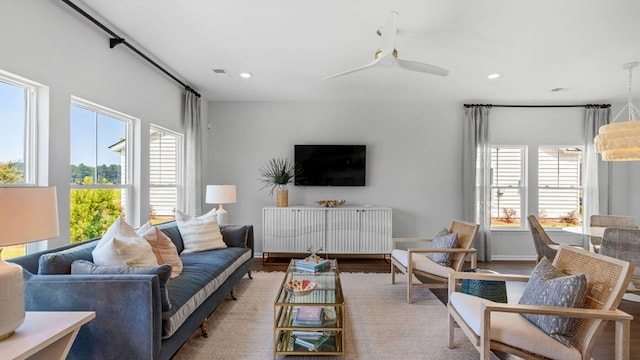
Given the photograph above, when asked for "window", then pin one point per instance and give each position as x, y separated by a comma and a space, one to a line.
101, 159
17, 132
165, 173
560, 186
507, 186
18, 147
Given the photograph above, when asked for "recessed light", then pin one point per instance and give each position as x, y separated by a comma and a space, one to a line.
246, 75
494, 76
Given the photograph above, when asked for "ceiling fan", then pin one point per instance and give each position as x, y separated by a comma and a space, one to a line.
388, 55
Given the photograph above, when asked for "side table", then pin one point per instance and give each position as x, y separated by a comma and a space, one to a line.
45, 335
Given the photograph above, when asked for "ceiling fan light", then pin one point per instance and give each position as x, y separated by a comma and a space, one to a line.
619, 141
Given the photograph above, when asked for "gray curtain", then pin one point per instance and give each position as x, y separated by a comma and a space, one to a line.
597, 173
476, 167
192, 125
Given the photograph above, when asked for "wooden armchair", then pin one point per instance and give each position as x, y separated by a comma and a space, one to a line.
434, 274
491, 325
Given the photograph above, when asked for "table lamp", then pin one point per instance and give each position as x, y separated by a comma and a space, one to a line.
221, 194
27, 214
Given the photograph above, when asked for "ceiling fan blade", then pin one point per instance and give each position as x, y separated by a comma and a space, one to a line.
371, 64
389, 31
422, 67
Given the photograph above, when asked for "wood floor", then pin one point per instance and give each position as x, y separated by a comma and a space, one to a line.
604, 346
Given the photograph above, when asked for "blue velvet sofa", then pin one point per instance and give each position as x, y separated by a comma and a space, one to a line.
130, 322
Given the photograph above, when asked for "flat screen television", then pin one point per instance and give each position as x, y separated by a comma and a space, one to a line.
330, 165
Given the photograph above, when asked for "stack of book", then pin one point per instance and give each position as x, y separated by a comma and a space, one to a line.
313, 266
309, 316
310, 340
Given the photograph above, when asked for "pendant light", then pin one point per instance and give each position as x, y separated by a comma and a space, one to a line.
621, 141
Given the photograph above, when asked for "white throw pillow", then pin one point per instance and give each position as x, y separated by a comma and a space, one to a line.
199, 233
164, 249
120, 245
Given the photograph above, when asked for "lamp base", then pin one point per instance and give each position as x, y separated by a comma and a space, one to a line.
223, 215
11, 298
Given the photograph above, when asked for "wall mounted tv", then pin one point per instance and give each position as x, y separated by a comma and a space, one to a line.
330, 165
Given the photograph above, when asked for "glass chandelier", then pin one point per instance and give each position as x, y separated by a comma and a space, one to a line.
621, 141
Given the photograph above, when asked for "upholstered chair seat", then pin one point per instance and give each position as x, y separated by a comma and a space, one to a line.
421, 263
511, 328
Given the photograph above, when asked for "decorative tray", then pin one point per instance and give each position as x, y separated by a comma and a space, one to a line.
331, 203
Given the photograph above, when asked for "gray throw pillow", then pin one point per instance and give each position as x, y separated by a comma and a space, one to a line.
447, 241
549, 286
59, 262
83, 267
235, 235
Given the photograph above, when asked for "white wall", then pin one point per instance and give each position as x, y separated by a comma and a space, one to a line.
413, 158
47, 42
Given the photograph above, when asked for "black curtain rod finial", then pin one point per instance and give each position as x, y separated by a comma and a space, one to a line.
113, 42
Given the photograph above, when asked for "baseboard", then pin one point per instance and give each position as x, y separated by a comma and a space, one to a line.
513, 258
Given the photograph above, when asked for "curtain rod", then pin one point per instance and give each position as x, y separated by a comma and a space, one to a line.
117, 40
603, 106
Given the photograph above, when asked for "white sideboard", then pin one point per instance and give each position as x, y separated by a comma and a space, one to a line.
337, 230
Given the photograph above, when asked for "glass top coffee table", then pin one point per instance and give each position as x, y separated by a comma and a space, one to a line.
309, 312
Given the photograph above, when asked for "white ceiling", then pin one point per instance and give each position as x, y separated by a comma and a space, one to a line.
290, 45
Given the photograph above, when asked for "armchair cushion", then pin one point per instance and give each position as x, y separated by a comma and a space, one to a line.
511, 329
548, 286
421, 263
445, 241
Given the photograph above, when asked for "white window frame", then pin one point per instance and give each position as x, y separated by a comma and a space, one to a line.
179, 164
36, 138
522, 188
31, 126
558, 187
128, 182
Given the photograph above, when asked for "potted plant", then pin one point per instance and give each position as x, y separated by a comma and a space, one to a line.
276, 174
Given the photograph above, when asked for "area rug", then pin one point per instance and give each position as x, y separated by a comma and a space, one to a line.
381, 324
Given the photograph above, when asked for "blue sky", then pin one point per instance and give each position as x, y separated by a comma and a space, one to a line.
83, 139
83, 131
12, 113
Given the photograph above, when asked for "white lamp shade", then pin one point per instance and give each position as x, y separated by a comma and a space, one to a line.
28, 214
220, 194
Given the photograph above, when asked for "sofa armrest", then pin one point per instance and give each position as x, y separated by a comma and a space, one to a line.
128, 312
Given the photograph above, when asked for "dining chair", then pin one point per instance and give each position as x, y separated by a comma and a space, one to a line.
503, 327
624, 244
430, 273
606, 221
545, 247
